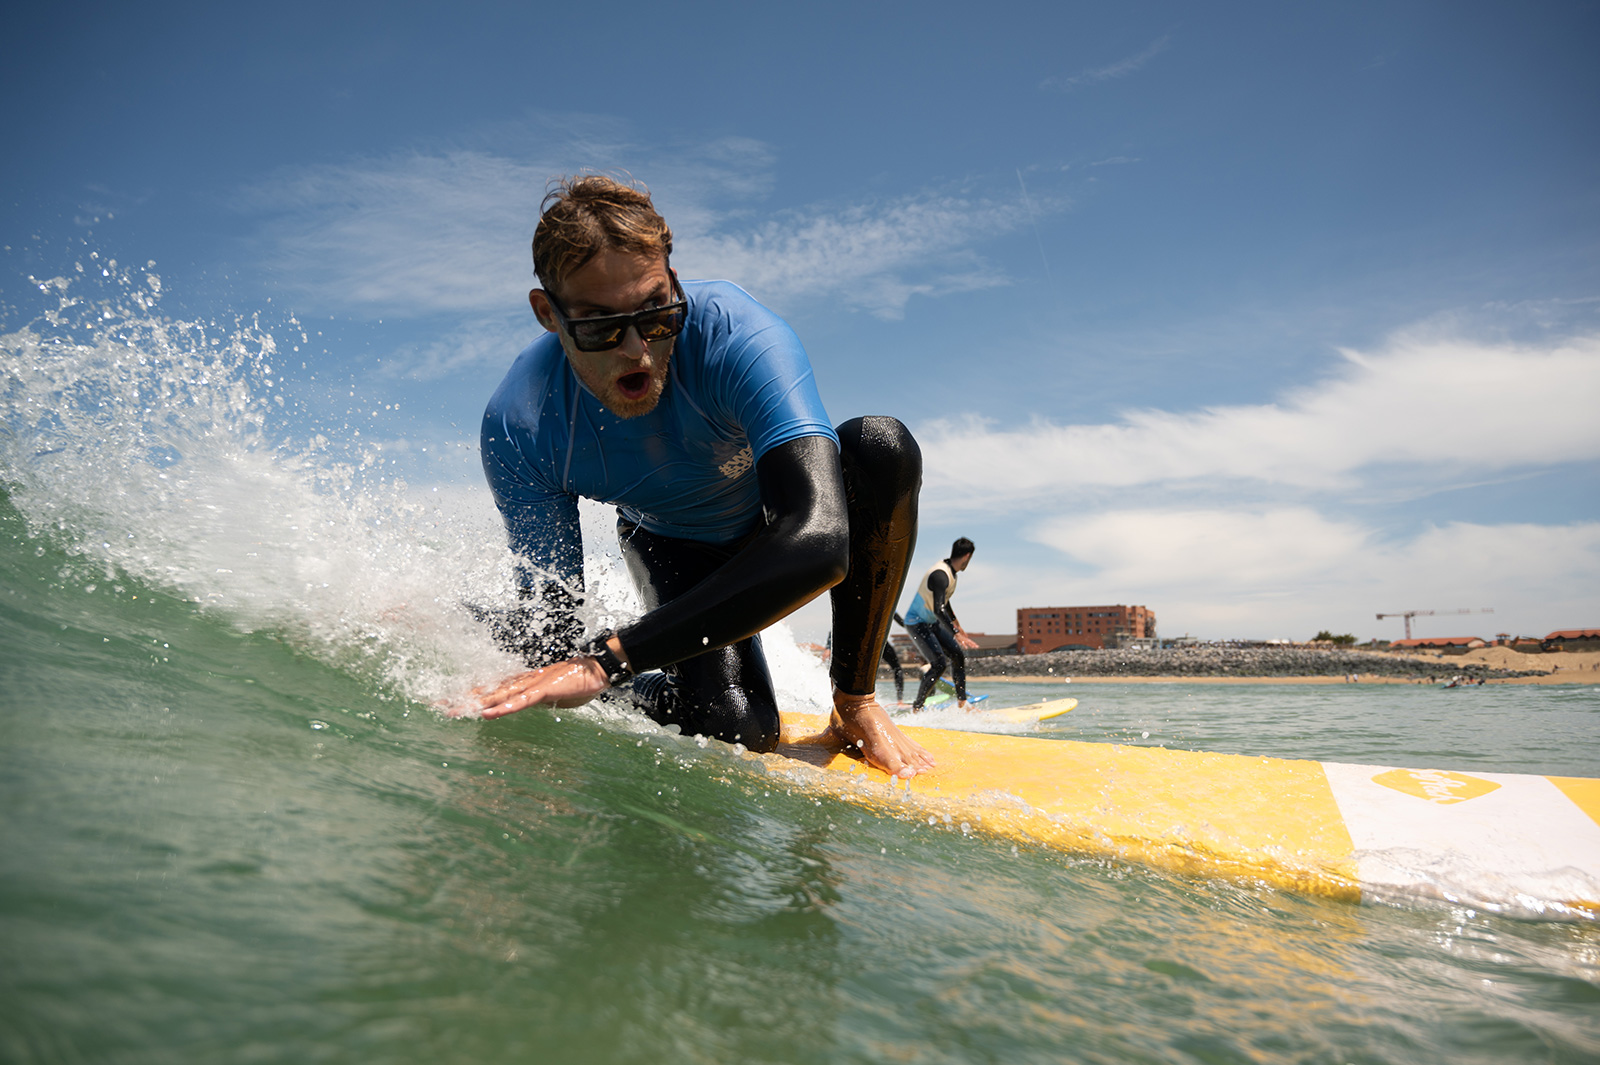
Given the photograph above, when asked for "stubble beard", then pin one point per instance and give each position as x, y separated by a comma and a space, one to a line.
611, 397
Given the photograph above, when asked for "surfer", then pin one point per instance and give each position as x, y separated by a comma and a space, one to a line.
891, 658
934, 628
691, 408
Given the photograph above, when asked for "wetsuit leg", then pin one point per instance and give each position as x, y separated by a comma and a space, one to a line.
926, 638
891, 656
726, 693
882, 477
940, 647
958, 662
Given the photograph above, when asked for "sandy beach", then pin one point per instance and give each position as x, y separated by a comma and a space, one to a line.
1573, 667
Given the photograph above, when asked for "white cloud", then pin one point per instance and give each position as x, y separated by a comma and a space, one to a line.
872, 257
1290, 571
480, 341
413, 234
1111, 71
448, 232
1277, 536
1173, 548
1429, 403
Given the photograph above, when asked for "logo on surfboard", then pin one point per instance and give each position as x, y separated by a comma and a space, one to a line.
1436, 785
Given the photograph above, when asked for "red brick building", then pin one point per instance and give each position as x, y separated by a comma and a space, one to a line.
1046, 628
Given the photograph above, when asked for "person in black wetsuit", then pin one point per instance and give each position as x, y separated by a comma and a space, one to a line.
936, 631
892, 657
691, 408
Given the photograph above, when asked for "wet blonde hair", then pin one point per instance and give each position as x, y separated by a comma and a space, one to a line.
583, 215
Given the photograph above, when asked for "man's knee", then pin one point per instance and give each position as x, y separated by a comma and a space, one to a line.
732, 713
750, 718
881, 449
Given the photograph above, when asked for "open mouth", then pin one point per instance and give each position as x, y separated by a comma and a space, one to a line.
634, 385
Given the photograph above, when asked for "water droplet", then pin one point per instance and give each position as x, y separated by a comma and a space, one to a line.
319, 725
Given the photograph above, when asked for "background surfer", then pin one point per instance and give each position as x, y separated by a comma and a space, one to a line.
693, 409
933, 625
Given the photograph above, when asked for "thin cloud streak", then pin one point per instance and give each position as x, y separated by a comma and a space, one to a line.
1120, 69
448, 233
415, 234
872, 257
487, 341
1430, 403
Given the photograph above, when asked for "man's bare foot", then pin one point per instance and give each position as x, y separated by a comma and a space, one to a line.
858, 721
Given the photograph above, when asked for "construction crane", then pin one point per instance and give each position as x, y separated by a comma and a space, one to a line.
1409, 614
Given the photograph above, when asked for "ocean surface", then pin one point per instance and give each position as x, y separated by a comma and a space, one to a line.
236, 828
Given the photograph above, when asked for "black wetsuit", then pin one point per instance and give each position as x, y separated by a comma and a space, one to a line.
842, 523
814, 535
892, 657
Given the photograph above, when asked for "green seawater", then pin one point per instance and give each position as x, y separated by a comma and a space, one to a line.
236, 830
224, 845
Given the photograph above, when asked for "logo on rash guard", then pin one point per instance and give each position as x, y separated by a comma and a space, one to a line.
1435, 785
737, 465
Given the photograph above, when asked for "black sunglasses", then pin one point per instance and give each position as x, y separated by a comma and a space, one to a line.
606, 331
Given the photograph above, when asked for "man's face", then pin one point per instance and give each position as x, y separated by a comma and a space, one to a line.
959, 563
629, 378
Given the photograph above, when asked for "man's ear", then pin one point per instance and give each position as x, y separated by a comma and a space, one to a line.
541, 309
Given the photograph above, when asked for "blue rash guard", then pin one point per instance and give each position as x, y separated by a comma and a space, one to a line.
739, 384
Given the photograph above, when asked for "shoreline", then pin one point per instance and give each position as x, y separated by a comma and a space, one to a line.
1288, 665
1574, 679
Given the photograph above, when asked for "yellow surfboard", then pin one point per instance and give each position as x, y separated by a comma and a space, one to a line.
1027, 715
1011, 715
1503, 842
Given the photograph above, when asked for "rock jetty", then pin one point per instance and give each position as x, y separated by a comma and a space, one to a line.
1231, 662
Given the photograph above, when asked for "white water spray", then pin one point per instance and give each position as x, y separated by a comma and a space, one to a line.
159, 449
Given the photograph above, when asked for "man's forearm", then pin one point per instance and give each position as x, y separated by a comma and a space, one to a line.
764, 583
801, 553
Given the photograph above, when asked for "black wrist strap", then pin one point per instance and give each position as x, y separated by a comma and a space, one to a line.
598, 649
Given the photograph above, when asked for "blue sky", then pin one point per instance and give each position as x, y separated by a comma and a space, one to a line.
1264, 316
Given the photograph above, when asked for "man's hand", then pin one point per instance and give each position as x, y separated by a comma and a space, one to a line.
569, 683
859, 722
966, 641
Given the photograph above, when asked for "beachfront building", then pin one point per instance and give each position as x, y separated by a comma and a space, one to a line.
1450, 645
999, 644
1052, 628
1572, 640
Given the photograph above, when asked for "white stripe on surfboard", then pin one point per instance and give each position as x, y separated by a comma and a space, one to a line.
1480, 839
